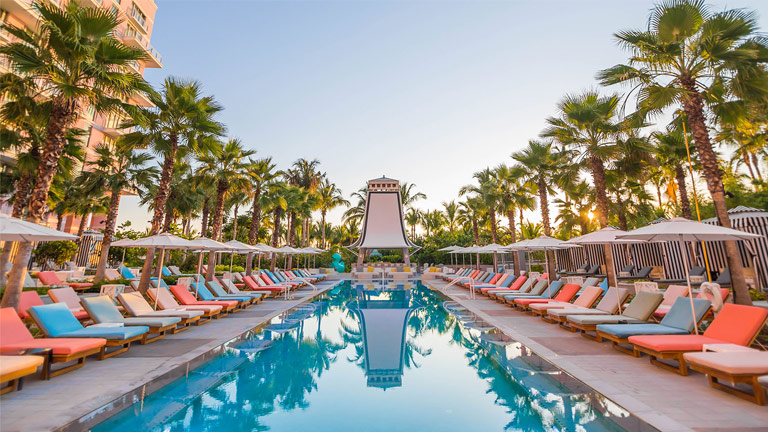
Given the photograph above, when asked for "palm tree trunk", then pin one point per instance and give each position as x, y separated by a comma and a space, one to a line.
218, 217
658, 195
322, 228
277, 215
109, 231
685, 203
291, 235
161, 198
204, 217
81, 225
234, 222
598, 176
544, 203
694, 108
748, 163
511, 220
20, 202
756, 164
253, 230
62, 115
168, 220
476, 236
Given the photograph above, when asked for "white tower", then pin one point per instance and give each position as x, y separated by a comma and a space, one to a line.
383, 225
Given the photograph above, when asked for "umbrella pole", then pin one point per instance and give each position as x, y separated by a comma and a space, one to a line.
122, 261
546, 266
231, 257
259, 263
690, 291
199, 268
159, 276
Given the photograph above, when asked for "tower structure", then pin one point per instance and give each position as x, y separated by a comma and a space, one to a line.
383, 225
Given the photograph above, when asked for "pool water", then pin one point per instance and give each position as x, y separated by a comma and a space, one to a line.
375, 357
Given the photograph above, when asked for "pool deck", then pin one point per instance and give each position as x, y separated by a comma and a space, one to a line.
80, 399
663, 399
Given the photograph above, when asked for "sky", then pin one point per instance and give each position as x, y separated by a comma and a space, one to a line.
426, 92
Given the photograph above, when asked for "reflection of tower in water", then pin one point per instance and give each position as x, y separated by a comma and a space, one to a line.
382, 312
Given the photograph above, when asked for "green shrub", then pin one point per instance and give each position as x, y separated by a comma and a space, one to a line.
57, 251
225, 267
758, 295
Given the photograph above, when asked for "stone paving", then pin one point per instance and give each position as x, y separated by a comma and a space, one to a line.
82, 398
663, 399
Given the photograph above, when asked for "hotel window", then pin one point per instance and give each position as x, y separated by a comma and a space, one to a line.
138, 15
112, 121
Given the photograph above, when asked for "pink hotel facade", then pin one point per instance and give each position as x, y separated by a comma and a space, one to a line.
135, 30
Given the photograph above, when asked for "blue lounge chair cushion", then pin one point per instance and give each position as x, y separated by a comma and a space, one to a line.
218, 290
127, 273
627, 330
166, 271
604, 284
112, 333
162, 283
152, 321
680, 316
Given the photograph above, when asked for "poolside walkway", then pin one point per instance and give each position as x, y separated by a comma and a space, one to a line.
663, 399
74, 401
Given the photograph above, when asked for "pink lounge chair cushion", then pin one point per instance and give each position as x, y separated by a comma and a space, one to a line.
736, 363
15, 336
550, 305
27, 300
663, 343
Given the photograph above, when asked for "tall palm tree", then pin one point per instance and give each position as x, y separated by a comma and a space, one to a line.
670, 153
274, 199
470, 211
450, 210
226, 164
412, 218
181, 123
689, 56
77, 61
409, 196
587, 125
236, 198
117, 169
490, 193
330, 198
432, 221
516, 194
260, 172
305, 174
354, 215
544, 167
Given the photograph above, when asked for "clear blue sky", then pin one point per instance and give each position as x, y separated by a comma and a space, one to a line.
427, 92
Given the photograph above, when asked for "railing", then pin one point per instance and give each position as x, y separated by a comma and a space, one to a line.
138, 16
132, 33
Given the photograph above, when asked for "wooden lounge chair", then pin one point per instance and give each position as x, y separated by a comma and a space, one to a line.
565, 294
136, 306
49, 278
56, 321
103, 310
252, 284
69, 297
735, 367
219, 291
206, 295
643, 273
13, 369
232, 288
735, 324
638, 311
31, 298
15, 337
521, 284
670, 295
186, 298
608, 305
586, 299
168, 304
680, 320
539, 290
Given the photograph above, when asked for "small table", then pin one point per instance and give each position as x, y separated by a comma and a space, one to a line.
725, 347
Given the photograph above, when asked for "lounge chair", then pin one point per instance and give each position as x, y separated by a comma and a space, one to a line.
219, 291
735, 367
540, 290
735, 324
112, 274
13, 369
69, 297
167, 303
136, 306
31, 298
694, 271
127, 273
186, 298
643, 273
579, 271
670, 295
205, 294
724, 279
103, 311
56, 321
520, 285
680, 320
232, 288
608, 305
638, 311
565, 294
255, 283
586, 299
15, 337
49, 278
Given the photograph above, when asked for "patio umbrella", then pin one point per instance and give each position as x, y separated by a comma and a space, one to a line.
287, 250
237, 247
162, 241
261, 247
545, 243
14, 230
450, 249
122, 243
683, 230
209, 245
495, 249
607, 235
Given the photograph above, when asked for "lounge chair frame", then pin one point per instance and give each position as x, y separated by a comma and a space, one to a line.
80, 357
15, 379
124, 344
714, 376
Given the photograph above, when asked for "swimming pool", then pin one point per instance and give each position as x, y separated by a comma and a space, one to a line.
375, 357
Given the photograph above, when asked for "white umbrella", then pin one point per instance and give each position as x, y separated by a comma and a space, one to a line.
544, 243
206, 244
683, 230
14, 230
494, 249
162, 241
238, 247
450, 250
123, 243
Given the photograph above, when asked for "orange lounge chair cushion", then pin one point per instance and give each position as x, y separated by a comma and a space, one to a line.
735, 363
80, 284
59, 346
663, 343
737, 324
26, 301
527, 301
550, 305
186, 298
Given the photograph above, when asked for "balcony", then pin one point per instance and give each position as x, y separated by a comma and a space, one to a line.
137, 40
25, 11
137, 18
140, 99
92, 3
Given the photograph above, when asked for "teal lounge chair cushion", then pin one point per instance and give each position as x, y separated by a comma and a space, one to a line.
56, 320
102, 310
155, 321
127, 273
166, 271
627, 330
219, 291
162, 283
604, 284
680, 316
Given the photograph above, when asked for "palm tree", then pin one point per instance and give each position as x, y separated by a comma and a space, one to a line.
354, 215
689, 56
116, 169
305, 174
409, 196
470, 211
235, 199
490, 193
432, 221
77, 61
274, 200
670, 153
545, 167
586, 124
260, 172
450, 210
516, 194
227, 165
330, 198
412, 218
182, 122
